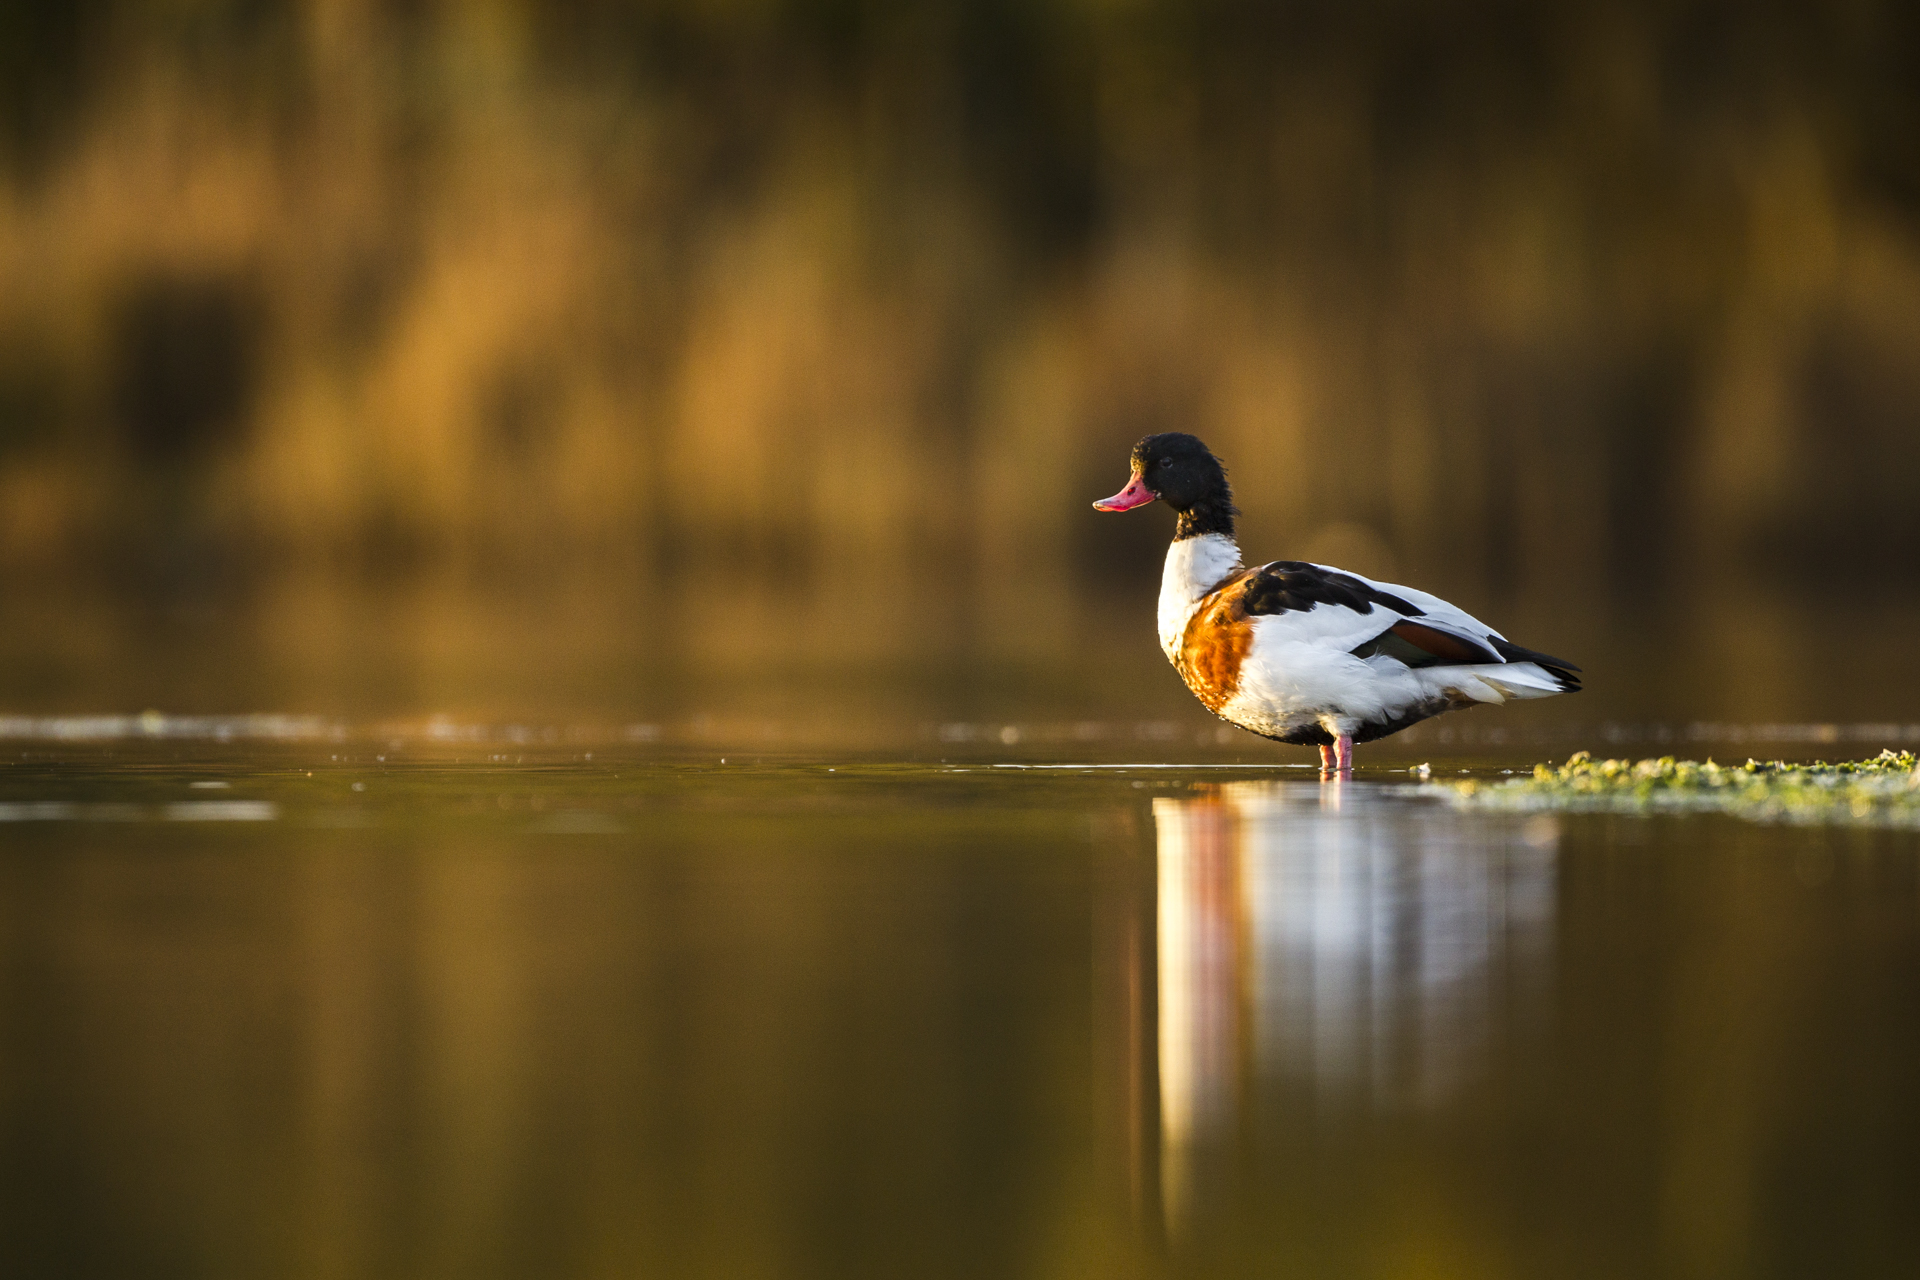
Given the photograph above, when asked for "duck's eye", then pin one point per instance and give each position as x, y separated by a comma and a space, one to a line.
1166, 462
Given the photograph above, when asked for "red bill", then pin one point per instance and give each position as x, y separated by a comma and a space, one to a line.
1136, 494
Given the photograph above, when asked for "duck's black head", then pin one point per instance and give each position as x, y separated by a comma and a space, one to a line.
1183, 473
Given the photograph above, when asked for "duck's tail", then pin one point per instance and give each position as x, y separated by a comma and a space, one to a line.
1496, 682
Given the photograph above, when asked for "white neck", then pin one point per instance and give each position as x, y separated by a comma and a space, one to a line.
1194, 567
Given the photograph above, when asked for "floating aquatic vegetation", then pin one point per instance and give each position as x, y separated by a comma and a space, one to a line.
1883, 791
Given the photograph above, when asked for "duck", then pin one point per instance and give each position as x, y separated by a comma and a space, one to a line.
1309, 654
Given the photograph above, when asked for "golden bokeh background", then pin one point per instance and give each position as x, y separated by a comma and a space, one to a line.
610, 358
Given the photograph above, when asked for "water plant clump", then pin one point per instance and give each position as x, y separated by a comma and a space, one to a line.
1882, 791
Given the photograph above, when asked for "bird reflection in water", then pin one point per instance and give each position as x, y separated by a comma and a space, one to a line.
1332, 953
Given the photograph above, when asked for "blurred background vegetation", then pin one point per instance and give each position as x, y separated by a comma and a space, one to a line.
606, 357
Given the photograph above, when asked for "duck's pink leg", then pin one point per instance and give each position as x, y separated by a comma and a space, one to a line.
1326, 757
1343, 753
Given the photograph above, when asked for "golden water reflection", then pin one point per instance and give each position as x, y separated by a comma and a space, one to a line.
1354, 950
500, 1014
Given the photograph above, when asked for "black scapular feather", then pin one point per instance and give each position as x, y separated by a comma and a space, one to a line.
1294, 586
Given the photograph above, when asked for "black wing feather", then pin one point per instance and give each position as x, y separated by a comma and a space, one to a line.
1294, 586
1560, 668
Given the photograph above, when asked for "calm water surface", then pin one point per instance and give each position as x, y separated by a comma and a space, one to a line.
303, 1011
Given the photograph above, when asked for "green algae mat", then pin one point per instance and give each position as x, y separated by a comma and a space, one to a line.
1882, 791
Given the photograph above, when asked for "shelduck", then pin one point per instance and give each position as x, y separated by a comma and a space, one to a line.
1306, 653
